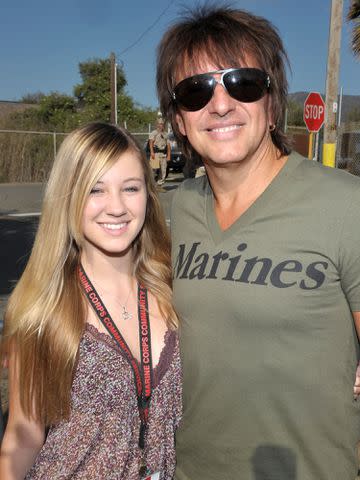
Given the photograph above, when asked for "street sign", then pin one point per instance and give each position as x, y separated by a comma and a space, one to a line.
314, 112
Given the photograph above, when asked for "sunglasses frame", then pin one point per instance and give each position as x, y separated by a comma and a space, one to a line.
220, 82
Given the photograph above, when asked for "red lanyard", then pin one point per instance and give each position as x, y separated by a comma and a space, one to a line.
143, 375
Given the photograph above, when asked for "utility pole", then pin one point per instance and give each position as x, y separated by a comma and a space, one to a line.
113, 89
332, 81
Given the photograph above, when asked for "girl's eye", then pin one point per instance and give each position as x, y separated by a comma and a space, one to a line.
132, 188
95, 190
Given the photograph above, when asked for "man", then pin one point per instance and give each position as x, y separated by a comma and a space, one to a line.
266, 266
159, 151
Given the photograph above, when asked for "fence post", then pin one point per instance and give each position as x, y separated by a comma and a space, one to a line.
54, 143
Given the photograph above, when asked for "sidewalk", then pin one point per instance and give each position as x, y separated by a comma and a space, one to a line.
18, 198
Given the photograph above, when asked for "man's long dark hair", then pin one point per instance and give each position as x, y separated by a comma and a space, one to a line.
225, 37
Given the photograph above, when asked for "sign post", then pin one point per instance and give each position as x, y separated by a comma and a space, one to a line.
311, 146
314, 116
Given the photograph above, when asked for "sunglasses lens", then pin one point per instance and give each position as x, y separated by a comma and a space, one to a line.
246, 84
195, 92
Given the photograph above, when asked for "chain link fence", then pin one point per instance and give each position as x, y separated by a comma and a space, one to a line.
27, 156
348, 147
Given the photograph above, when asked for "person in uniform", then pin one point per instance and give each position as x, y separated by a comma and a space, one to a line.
159, 151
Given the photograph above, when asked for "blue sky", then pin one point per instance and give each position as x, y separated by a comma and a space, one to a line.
42, 42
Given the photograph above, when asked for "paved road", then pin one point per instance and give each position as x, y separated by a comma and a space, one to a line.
16, 239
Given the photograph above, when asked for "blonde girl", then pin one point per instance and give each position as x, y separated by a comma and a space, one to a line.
90, 331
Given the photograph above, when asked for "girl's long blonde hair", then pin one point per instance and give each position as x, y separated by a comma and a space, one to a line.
45, 315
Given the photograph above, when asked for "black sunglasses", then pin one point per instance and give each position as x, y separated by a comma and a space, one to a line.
244, 84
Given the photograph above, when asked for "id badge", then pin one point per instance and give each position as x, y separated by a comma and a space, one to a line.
154, 476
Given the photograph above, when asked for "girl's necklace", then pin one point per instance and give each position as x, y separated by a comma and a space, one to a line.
126, 315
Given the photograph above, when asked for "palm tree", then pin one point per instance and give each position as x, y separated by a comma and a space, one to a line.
354, 16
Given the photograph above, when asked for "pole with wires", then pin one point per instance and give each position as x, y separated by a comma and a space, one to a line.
113, 89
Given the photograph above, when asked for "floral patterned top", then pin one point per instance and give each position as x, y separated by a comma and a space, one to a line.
100, 439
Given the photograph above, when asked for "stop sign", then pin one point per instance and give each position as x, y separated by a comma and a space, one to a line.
314, 112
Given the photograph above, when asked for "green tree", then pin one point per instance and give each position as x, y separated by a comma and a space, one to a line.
91, 102
94, 97
27, 157
93, 94
34, 98
354, 16
54, 112
58, 111
136, 117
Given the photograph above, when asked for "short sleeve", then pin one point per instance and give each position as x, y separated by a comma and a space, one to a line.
349, 252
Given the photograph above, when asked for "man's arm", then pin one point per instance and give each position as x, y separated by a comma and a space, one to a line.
151, 145
356, 316
168, 151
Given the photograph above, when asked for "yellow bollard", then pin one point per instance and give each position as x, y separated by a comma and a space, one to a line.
311, 146
329, 154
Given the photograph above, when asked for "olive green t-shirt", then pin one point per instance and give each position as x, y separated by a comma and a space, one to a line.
268, 342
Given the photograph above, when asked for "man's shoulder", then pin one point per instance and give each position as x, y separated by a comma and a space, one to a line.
323, 176
190, 192
153, 134
193, 186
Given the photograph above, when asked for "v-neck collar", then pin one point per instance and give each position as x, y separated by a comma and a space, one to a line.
264, 199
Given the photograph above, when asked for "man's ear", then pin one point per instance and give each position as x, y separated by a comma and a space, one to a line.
180, 124
270, 114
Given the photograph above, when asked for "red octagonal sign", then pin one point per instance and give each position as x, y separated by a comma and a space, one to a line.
314, 112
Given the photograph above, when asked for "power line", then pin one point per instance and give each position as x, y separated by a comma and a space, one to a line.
148, 29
